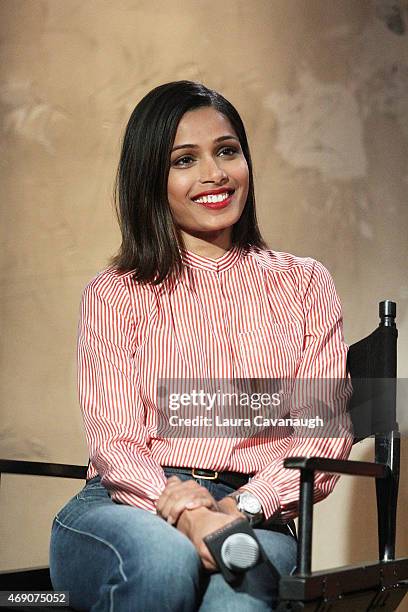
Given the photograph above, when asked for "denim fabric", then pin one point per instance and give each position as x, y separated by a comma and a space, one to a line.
117, 558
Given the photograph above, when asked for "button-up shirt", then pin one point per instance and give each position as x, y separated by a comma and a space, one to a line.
251, 314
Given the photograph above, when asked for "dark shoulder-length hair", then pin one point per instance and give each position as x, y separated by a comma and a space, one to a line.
150, 238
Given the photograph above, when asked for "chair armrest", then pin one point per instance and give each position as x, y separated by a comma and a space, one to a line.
39, 468
308, 467
337, 466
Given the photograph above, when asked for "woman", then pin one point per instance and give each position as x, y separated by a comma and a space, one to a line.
194, 293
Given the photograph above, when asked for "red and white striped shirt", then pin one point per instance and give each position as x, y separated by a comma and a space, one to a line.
252, 313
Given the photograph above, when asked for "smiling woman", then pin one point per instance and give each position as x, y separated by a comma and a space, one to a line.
194, 294
183, 141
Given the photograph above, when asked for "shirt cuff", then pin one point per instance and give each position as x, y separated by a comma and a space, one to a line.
266, 494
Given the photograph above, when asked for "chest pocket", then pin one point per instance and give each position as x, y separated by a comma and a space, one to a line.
271, 351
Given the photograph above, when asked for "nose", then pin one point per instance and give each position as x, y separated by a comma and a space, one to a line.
211, 171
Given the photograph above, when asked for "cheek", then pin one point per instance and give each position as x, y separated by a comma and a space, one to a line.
246, 171
176, 193
177, 188
177, 209
241, 173
243, 177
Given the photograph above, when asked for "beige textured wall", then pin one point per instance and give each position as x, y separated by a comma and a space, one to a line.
323, 89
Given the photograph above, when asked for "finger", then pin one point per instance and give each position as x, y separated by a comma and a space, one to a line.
172, 486
174, 511
182, 495
176, 489
206, 558
175, 482
209, 503
168, 505
174, 478
178, 508
210, 567
172, 490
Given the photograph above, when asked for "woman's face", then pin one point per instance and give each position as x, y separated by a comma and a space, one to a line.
208, 178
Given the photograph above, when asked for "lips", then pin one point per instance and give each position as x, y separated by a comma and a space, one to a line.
214, 199
212, 192
215, 205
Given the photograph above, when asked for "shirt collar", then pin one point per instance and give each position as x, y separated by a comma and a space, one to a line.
225, 262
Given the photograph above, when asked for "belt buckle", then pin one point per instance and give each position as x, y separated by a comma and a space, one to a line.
204, 477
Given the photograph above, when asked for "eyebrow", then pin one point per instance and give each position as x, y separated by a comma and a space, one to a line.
193, 146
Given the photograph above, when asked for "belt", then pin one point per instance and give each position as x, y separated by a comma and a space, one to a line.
232, 479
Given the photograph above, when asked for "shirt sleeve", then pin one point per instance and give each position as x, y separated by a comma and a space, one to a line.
112, 410
324, 356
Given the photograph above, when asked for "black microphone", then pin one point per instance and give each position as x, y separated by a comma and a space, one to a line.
236, 549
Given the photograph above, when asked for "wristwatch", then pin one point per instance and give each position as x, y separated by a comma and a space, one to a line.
249, 505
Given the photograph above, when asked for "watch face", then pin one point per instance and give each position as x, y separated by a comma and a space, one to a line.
249, 503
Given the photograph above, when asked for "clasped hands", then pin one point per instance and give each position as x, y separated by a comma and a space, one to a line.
194, 511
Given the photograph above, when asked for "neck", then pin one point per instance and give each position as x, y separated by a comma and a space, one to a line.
205, 245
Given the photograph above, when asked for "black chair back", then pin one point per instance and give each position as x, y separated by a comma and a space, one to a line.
372, 363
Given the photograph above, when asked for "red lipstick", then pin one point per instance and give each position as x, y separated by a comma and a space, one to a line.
212, 192
216, 205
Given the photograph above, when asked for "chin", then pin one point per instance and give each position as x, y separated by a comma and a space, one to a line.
220, 223
213, 228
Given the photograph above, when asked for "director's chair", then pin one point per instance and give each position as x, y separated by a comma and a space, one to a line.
380, 585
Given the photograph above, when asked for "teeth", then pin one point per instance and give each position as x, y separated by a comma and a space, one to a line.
212, 199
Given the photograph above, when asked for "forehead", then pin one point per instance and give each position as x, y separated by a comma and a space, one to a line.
203, 124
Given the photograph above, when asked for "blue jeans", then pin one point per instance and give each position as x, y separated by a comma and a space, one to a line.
117, 558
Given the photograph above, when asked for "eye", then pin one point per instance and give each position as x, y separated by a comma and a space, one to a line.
183, 161
229, 151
